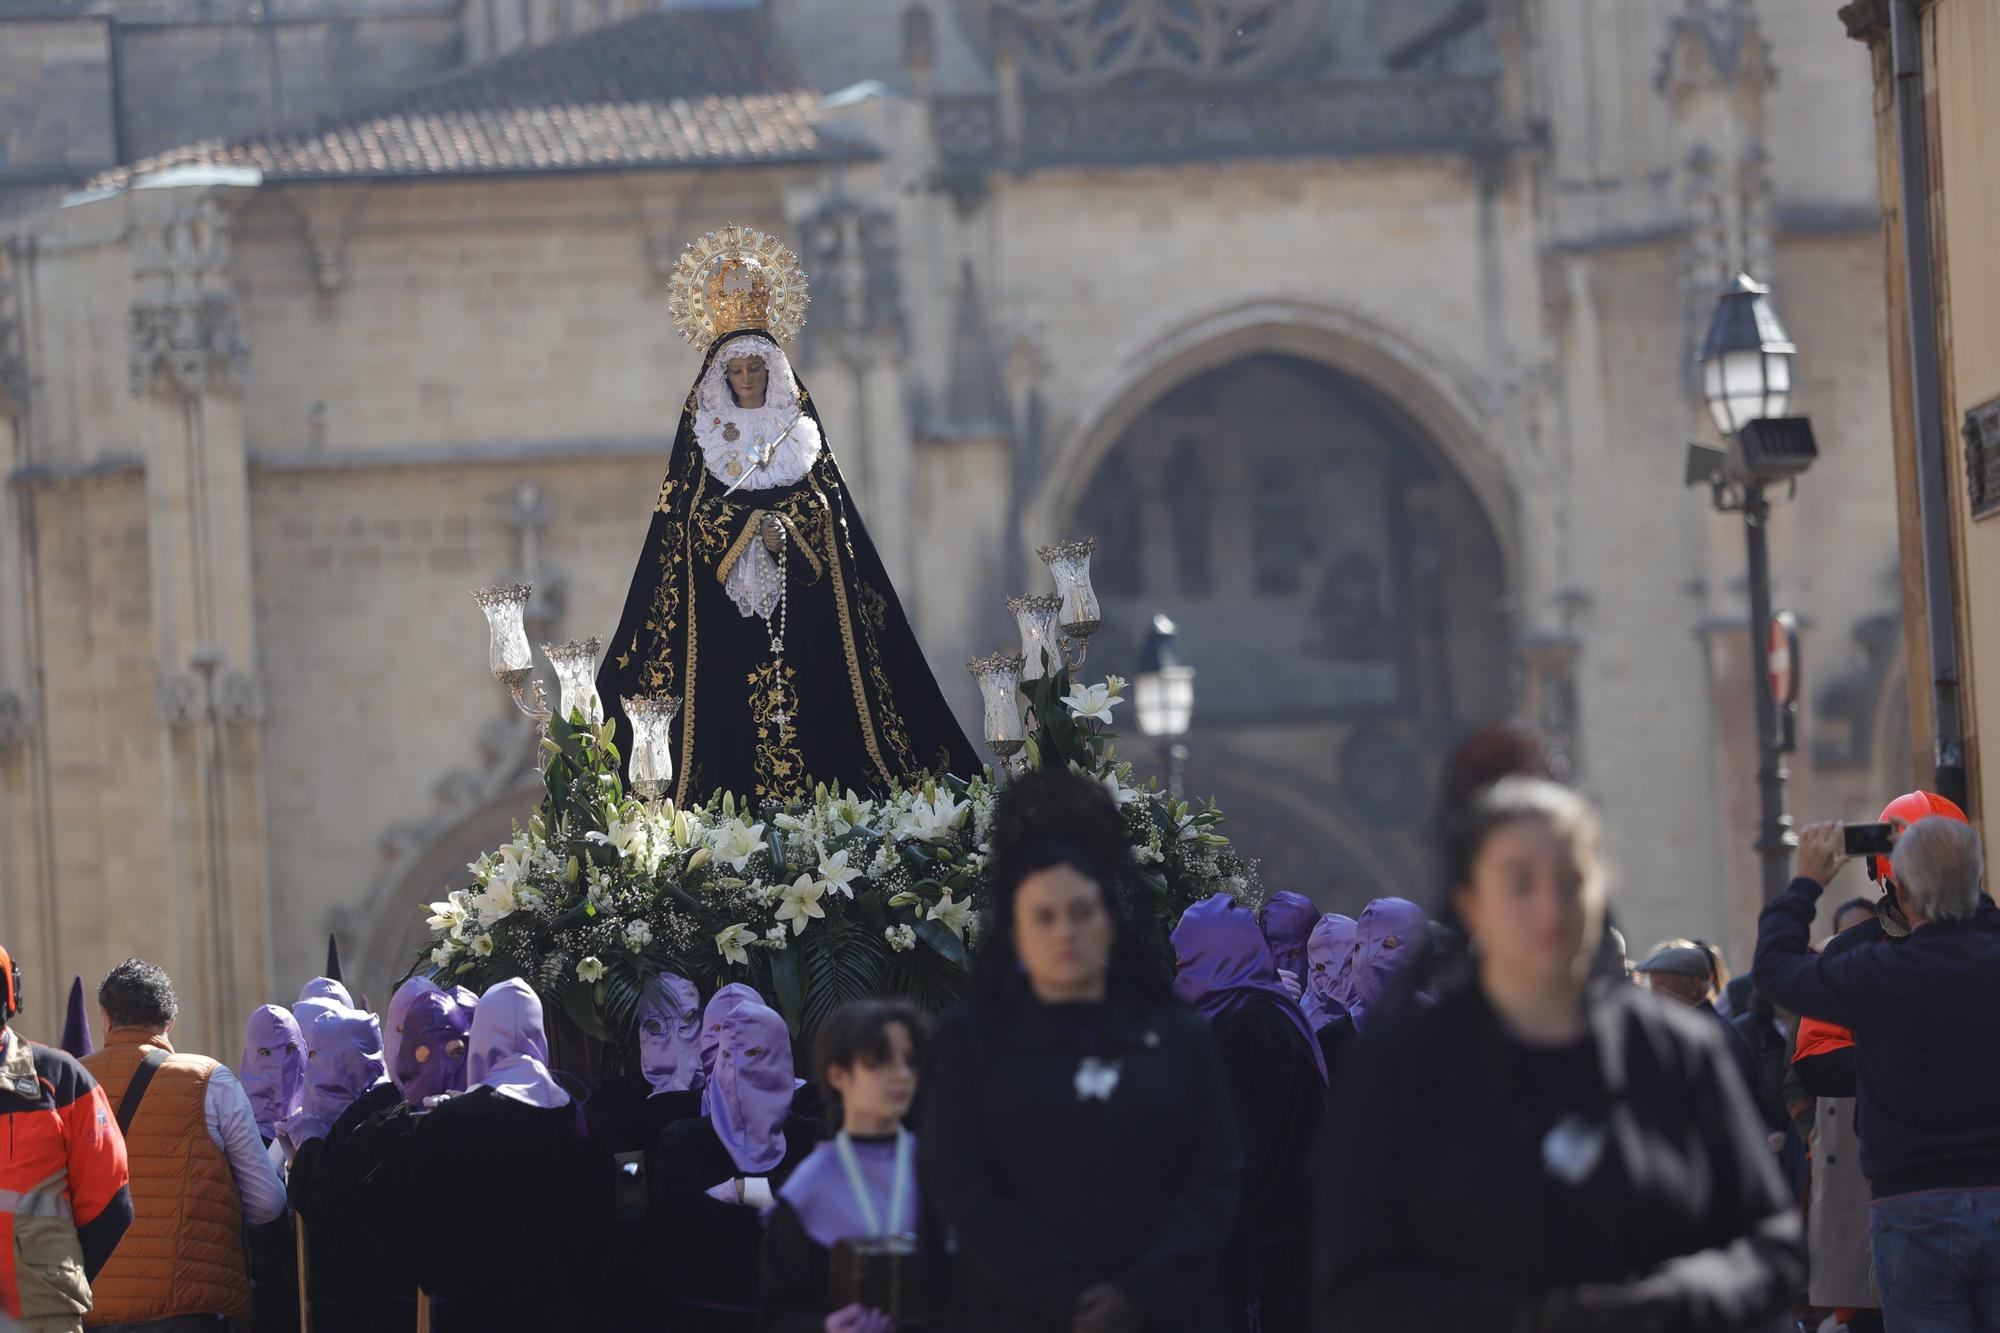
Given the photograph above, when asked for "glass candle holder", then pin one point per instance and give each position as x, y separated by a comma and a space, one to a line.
1036, 615
999, 678
651, 764
576, 668
508, 655
1069, 565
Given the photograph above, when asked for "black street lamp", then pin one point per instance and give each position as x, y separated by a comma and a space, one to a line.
1163, 696
1746, 379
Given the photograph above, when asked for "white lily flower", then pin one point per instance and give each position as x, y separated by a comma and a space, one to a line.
835, 875
953, 914
1092, 701
627, 835
449, 914
930, 820
736, 842
482, 945
845, 812
729, 943
801, 902
590, 969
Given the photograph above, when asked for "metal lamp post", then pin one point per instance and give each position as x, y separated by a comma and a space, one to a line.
1163, 696
1746, 380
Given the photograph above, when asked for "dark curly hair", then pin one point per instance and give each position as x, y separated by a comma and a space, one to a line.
138, 994
1052, 817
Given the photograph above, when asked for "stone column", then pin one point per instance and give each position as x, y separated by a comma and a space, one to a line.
188, 360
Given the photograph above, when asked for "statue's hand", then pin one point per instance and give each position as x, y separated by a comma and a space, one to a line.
773, 532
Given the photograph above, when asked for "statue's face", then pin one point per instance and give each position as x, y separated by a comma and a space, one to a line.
748, 377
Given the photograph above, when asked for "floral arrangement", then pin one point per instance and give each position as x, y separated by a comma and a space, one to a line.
814, 903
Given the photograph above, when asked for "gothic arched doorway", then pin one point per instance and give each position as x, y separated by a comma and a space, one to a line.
1342, 593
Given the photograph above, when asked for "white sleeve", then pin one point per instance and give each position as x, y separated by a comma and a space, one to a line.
232, 1124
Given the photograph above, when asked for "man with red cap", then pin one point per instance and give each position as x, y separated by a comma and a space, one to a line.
1842, 1272
1919, 988
64, 1178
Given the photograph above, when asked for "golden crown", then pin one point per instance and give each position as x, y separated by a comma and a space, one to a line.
737, 278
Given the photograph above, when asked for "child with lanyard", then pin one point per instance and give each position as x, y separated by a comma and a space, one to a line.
856, 1190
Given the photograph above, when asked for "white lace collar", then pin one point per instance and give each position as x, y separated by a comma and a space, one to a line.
734, 439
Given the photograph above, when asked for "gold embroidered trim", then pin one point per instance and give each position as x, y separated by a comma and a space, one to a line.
687, 695
793, 530
774, 708
739, 546
847, 643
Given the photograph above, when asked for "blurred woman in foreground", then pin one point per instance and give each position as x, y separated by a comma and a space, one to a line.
1542, 1151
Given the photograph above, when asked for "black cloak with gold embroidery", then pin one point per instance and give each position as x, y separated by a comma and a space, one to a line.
850, 701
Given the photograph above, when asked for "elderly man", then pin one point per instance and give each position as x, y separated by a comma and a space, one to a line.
199, 1172
1928, 1092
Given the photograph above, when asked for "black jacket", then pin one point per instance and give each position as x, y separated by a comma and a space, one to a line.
1921, 1009
1437, 1211
1049, 1192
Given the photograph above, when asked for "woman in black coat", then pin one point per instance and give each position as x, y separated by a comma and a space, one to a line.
1078, 1136
1540, 1152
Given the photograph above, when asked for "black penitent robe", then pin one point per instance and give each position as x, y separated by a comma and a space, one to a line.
1278, 1096
707, 1251
850, 701
517, 1202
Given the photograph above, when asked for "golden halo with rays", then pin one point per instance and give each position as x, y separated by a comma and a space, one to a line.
737, 278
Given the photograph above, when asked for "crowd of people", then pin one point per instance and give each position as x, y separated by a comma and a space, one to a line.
1476, 1115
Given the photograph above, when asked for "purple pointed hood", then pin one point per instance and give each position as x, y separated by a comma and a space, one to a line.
1330, 968
1392, 935
751, 1091
343, 1059
720, 1006
76, 1023
273, 1068
1287, 923
670, 1032
426, 1038
508, 1049
1221, 961
326, 988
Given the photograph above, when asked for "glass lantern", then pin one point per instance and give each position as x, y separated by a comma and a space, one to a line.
576, 668
1036, 616
508, 655
1069, 565
999, 678
651, 765
1163, 685
1746, 358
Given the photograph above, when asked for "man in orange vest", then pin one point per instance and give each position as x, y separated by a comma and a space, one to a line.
63, 1198
199, 1171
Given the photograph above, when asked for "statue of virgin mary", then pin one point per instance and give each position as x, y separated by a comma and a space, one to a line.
759, 601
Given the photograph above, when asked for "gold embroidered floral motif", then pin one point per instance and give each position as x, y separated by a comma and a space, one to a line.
874, 612
774, 709
862, 712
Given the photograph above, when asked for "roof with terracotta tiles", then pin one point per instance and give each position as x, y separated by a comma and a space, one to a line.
664, 89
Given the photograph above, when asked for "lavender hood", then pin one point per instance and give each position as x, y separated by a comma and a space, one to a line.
508, 1049
670, 1031
273, 1068
1222, 961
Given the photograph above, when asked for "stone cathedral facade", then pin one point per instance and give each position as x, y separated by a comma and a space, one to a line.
1359, 332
